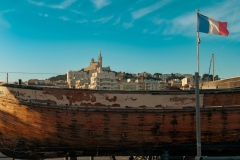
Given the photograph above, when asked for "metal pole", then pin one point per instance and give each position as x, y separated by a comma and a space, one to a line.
213, 66
91, 158
7, 78
198, 42
198, 129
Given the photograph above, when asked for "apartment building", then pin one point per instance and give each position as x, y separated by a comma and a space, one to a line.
128, 85
147, 84
73, 76
103, 80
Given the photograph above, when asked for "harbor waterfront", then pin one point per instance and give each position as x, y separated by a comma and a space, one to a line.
61, 101
43, 122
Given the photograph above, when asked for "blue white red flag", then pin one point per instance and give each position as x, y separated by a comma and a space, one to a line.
211, 26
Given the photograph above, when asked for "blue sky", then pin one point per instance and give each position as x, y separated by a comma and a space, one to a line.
55, 36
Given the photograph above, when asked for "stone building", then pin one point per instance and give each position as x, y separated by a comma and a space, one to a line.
94, 65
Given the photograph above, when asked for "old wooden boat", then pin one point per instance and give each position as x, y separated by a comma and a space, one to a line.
41, 122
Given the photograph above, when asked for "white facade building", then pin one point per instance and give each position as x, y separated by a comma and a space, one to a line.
128, 85
73, 76
102, 80
165, 76
176, 83
147, 85
188, 80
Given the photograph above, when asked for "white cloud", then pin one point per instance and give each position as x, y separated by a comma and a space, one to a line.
117, 21
62, 5
185, 24
76, 11
44, 15
100, 3
225, 12
3, 21
168, 39
144, 11
235, 28
37, 3
158, 21
64, 18
82, 21
127, 25
145, 30
103, 20
156, 31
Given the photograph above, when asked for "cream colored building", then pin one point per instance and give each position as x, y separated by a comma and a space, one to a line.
128, 85
82, 84
188, 81
147, 85
176, 83
73, 76
81, 79
102, 80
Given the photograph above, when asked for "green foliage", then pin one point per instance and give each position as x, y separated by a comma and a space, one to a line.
216, 77
209, 77
59, 77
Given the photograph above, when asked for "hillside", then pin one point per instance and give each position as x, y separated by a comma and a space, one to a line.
59, 77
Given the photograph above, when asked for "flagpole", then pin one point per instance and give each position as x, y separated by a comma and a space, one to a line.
198, 42
198, 126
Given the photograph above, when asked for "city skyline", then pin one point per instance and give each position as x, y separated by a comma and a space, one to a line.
39, 36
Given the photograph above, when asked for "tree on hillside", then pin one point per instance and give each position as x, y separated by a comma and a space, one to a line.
59, 77
209, 77
216, 77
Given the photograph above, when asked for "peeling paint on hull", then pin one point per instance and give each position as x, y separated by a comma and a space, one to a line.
47, 123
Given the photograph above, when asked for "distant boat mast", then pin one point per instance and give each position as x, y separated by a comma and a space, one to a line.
213, 66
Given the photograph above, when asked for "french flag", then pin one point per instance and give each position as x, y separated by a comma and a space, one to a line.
211, 26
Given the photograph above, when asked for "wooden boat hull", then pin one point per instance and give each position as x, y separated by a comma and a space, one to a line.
30, 129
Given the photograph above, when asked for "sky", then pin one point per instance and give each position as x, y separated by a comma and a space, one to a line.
44, 38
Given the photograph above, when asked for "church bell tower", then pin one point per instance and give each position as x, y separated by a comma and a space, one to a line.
100, 60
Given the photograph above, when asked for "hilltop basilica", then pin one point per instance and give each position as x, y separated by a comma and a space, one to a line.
95, 65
